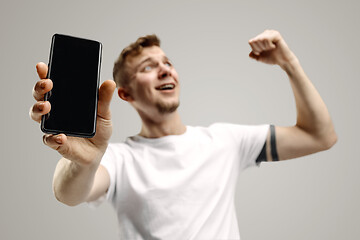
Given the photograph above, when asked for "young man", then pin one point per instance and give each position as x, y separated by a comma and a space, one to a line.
173, 181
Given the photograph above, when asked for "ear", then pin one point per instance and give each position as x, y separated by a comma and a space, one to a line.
124, 94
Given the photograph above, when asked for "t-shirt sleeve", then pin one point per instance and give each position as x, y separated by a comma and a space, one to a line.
109, 162
248, 140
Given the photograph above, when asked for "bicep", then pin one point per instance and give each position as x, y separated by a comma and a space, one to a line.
293, 142
101, 184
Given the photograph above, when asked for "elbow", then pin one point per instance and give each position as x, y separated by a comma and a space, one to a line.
329, 140
332, 141
67, 202
64, 200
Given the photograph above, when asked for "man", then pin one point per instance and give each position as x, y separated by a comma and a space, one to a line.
173, 181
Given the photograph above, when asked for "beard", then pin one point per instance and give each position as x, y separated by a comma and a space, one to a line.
164, 108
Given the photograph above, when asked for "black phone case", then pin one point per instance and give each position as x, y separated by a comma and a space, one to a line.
73, 109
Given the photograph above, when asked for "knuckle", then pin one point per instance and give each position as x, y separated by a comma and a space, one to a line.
38, 107
45, 139
41, 88
39, 85
270, 31
37, 93
31, 113
34, 93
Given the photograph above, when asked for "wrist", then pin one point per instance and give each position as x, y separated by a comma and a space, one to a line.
290, 65
76, 167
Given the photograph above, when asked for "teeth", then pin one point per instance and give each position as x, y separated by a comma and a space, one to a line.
166, 86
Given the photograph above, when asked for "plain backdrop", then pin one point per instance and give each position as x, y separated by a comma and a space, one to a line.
314, 197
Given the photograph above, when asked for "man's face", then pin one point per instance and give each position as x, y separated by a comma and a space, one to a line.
154, 85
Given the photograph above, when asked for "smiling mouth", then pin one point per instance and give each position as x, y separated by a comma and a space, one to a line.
168, 86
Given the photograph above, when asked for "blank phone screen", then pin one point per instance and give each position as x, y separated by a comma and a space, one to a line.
74, 68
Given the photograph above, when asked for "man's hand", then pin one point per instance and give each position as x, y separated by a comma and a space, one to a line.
78, 176
83, 151
269, 47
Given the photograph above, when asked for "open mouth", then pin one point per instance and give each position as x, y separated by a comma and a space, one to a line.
168, 86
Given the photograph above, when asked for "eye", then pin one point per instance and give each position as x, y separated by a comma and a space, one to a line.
168, 63
147, 68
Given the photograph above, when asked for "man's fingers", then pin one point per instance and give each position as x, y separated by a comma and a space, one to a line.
254, 56
106, 92
38, 109
261, 45
256, 48
55, 141
41, 87
42, 70
265, 41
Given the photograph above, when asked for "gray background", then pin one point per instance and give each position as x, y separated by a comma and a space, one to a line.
314, 197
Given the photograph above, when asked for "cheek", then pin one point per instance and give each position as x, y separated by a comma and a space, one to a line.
175, 75
144, 90
147, 79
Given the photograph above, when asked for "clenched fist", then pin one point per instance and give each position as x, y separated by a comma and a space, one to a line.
269, 47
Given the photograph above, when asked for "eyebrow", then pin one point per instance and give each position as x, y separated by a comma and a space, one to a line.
136, 68
149, 59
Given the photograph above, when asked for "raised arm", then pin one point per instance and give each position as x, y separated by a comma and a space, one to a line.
78, 176
314, 130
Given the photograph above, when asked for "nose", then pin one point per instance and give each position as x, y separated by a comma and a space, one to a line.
164, 71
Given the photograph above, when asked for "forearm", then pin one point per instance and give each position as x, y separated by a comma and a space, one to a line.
72, 183
312, 114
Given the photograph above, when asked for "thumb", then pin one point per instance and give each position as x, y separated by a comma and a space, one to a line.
105, 95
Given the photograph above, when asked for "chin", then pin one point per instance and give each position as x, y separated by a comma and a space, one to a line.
167, 107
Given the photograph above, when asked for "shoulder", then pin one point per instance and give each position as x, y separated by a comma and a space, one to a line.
116, 148
116, 152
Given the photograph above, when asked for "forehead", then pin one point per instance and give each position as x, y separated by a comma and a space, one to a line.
147, 52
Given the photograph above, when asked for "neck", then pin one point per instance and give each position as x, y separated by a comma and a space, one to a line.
164, 125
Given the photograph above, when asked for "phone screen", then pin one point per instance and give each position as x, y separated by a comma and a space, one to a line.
74, 68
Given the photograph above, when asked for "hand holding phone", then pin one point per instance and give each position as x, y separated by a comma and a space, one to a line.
80, 150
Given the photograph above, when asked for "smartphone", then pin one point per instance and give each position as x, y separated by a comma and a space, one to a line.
74, 68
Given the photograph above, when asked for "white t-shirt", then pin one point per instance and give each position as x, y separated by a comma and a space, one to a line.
181, 187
